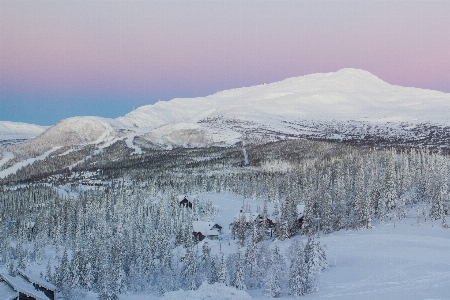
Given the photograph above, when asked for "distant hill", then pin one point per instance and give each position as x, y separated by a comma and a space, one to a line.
19, 131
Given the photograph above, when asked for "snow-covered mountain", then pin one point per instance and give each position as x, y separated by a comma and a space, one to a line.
19, 131
349, 104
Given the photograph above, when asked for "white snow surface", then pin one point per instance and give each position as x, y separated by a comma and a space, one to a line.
280, 108
401, 261
217, 291
18, 131
348, 94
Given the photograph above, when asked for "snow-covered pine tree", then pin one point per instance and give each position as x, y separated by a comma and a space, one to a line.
241, 229
62, 275
75, 272
205, 263
438, 195
238, 278
213, 276
20, 252
282, 231
48, 272
274, 277
362, 200
251, 257
308, 217
223, 273
298, 272
190, 268
315, 262
389, 192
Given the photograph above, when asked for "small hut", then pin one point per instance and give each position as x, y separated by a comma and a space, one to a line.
185, 202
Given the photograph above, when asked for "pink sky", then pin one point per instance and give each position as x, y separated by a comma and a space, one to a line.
165, 49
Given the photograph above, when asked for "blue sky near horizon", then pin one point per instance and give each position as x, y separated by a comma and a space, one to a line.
69, 58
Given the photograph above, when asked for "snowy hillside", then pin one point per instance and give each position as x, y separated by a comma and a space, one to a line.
348, 104
19, 131
348, 94
71, 131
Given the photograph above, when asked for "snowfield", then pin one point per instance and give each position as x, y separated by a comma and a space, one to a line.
217, 291
402, 262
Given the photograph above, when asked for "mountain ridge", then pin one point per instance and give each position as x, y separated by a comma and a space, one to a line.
342, 105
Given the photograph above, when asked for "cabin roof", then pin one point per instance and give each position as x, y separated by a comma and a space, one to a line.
6, 291
37, 280
187, 197
21, 285
205, 228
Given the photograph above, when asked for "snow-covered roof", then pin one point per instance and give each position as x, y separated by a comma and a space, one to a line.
205, 228
37, 280
6, 291
21, 285
189, 198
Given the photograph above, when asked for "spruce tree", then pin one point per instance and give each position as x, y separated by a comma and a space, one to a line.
273, 280
223, 273
298, 272
238, 280
315, 261
48, 272
213, 273
62, 274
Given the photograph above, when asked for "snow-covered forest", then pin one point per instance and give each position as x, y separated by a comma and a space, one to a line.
131, 235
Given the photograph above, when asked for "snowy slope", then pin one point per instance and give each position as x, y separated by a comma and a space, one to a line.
345, 105
71, 131
348, 94
19, 131
342, 105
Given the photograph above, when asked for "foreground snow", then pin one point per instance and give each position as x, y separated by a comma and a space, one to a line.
390, 261
217, 291
396, 260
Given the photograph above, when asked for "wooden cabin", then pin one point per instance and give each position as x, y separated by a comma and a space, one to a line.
26, 286
204, 230
186, 203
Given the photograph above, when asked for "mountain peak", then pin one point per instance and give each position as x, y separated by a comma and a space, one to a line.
347, 95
